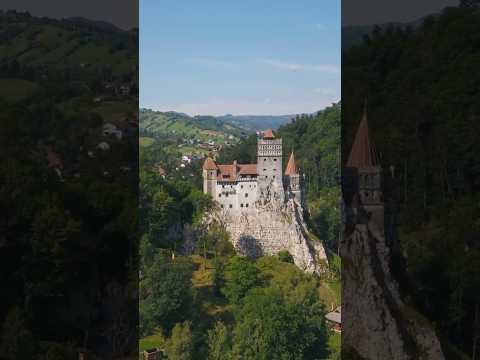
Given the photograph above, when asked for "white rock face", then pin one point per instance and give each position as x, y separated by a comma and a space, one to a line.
375, 321
274, 225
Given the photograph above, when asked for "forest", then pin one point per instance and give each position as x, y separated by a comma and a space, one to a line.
69, 209
423, 108
203, 301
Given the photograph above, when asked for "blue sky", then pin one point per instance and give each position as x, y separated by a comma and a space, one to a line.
239, 56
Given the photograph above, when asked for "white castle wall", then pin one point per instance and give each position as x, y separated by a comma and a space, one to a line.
236, 196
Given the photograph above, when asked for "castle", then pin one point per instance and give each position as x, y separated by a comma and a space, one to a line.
238, 187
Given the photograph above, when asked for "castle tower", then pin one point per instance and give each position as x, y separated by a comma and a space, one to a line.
209, 173
364, 164
269, 162
293, 180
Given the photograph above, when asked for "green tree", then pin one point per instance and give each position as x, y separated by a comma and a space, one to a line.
219, 342
271, 326
161, 217
285, 256
168, 285
180, 345
241, 275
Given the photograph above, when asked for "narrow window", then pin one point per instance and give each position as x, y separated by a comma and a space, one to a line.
219, 195
230, 206
241, 205
246, 195
221, 206
246, 205
275, 159
241, 186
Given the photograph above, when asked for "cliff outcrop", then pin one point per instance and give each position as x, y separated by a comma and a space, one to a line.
275, 224
376, 322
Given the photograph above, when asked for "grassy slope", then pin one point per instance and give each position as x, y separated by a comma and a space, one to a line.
53, 44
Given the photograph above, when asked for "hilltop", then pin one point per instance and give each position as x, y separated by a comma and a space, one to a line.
65, 45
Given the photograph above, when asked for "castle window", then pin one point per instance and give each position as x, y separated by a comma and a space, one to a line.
223, 186
366, 194
246, 195
274, 176
221, 206
241, 205
219, 195
275, 159
241, 186
246, 205
264, 159
226, 194
230, 206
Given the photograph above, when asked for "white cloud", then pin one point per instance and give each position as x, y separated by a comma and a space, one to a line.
334, 69
320, 27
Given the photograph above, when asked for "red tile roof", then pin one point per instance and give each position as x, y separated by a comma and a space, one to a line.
54, 159
247, 169
363, 152
209, 164
232, 171
268, 134
291, 166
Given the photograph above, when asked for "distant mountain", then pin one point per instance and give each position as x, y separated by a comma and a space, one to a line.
256, 122
161, 123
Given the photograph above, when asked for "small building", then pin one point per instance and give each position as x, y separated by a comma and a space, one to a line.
335, 319
110, 129
153, 354
103, 146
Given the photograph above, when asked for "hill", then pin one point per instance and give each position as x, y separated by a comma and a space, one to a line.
256, 122
181, 125
65, 45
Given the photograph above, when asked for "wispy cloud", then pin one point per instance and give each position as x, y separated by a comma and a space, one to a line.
300, 67
318, 27
314, 27
210, 62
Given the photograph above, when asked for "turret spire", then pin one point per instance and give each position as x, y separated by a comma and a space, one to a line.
291, 166
363, 152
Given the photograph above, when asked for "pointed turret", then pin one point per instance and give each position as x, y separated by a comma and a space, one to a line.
268, 134
363, 174
363, 153
210, 171
209, 164
291, 166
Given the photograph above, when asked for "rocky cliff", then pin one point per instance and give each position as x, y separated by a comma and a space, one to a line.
376, 322
273, 225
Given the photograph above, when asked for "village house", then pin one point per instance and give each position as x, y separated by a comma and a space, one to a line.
334, 317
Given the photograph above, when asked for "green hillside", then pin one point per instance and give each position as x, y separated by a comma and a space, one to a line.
204, 128
257, 122
64, 44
